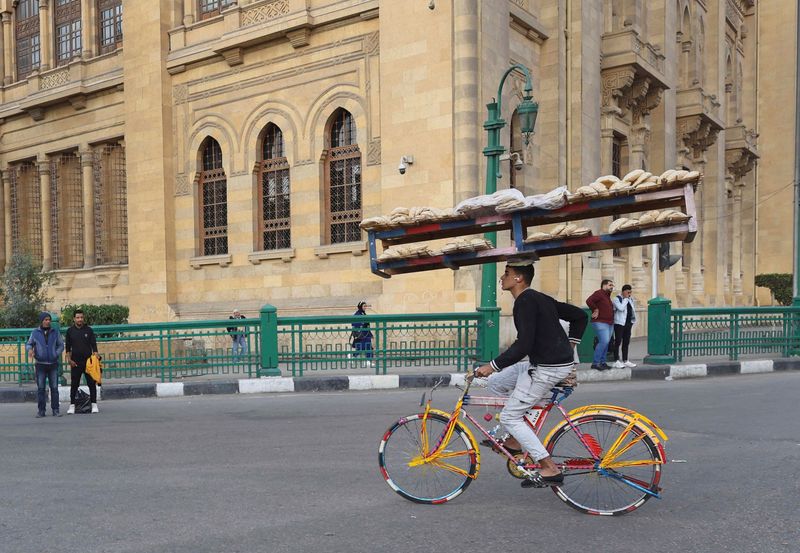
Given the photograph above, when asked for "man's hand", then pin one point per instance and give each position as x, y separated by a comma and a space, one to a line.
72, 363
595, 313
484, 371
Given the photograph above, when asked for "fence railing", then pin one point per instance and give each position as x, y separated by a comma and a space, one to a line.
675, 334
271, 346
164, 351
321, 344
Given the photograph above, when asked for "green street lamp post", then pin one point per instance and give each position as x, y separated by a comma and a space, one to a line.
527, 111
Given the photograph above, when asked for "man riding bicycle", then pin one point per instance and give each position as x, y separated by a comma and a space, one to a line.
550, 353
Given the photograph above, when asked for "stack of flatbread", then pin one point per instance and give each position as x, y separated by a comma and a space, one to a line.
623, 224
464, 245
605, 186
559, 232
380, 222
676, 175
486, 204
409, 251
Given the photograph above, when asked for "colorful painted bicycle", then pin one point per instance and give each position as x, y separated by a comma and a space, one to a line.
611, 457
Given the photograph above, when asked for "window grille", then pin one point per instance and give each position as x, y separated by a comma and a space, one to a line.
212, 8
344, 181
66, 211
68, 30
27, 37
26, 210
213, 204
110, 15
110, 205
275, 213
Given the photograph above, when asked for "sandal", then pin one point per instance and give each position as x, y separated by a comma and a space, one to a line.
539, 481
511, 450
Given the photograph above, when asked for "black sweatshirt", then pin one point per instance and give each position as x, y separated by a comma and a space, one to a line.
80, 343
540, 335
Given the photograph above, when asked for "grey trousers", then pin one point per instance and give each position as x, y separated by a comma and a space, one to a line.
524, 391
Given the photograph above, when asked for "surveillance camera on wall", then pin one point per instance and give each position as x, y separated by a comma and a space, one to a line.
405, 161
515, 158
432, 4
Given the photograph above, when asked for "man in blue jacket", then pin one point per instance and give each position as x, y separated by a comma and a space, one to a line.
44, 348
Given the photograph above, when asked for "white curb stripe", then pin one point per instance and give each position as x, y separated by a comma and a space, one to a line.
63, 393
266, 385
169, 389
688, 371
760, 366
374, 382
593, 375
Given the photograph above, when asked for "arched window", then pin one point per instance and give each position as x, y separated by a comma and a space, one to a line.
67, 16
28, 42
343, 180
274, 188
213, 200
212, 8
110, 19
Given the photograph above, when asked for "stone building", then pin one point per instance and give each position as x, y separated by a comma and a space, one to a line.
188, 156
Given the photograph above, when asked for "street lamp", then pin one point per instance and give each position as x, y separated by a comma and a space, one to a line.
527, 111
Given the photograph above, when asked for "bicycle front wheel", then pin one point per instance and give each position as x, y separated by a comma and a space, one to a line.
618, 489
439, 480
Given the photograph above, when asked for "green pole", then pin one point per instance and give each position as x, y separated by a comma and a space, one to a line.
269, 341
494, 149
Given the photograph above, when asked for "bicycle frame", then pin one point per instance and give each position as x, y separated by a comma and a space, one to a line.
605, 466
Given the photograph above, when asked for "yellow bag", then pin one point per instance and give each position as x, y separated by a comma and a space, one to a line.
94, 368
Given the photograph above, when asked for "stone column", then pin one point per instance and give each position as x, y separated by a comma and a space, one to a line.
47, 227
188, 12
8, 246
46, 35
8, 52
3, 54
696, 261
738, 190
87, 184
88, 29
3, 217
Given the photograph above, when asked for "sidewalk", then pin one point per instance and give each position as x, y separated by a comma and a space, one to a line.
405, 378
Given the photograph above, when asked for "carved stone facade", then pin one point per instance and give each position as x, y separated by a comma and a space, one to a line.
621, 84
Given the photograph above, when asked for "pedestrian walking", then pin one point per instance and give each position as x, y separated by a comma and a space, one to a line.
624, 319
602, 322
361, 336
238, 335
81, 343
44, 348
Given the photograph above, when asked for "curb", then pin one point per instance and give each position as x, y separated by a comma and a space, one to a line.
280, 384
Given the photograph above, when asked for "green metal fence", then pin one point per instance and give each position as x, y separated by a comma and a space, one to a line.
319, 344
164, 351
733, 332
275, 346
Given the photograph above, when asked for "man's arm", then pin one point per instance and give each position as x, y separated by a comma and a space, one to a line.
68, 349
93, 341
618, 304
59, 344
576, 318
30, 347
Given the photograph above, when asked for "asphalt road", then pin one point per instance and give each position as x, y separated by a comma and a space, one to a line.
298, 472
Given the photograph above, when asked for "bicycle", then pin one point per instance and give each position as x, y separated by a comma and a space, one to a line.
610, 456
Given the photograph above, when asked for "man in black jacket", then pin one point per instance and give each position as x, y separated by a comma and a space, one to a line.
541, 338
80, 345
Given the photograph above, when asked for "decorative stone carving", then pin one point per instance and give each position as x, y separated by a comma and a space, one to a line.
374, 152
299, 38
52, 80
181, 185
372, 44
695, 135
264, 12
234, 56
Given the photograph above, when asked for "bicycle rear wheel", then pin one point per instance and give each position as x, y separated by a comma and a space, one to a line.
588, 489
438, 481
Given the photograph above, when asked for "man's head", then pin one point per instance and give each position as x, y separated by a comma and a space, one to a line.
517, 274
237, 313
607, 285
627, 291
45, 319
362, 305
78, 317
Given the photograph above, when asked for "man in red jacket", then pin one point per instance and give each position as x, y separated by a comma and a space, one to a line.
602, 322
